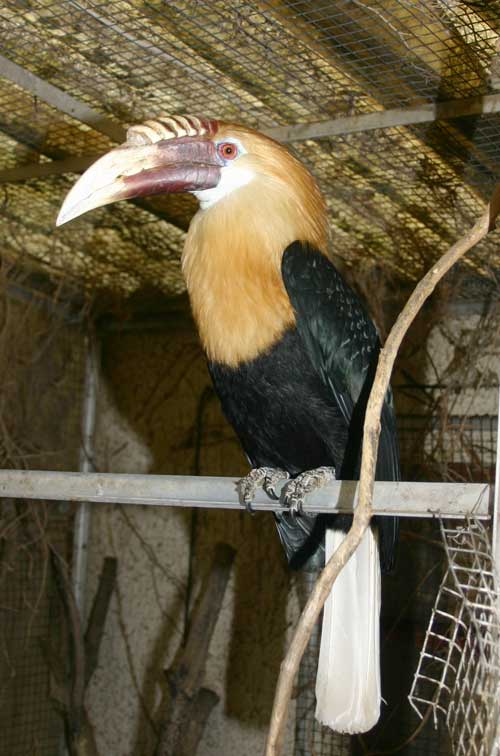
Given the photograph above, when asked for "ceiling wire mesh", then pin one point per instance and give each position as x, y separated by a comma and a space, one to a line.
397, 196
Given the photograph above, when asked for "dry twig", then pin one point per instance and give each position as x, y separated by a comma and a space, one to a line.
363, 511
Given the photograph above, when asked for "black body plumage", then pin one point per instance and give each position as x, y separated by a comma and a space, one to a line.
301, 404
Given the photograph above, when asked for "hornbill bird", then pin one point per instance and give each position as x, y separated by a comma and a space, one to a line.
291, 352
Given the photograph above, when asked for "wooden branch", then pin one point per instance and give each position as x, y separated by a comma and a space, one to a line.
205, 701
85, 744
186, 673
98, 614
188, 669
74, 710
371, 435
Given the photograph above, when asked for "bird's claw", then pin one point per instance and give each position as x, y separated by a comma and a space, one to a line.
294, 493
267, 477
273, 477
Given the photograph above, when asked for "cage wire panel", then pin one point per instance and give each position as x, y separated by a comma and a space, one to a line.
453, 447
458, 675
400, 194
41, 367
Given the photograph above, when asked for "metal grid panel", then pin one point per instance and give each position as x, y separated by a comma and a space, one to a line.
120, 248
452, 448
403, 50
459, 670
397, 197
41, 130
377, 51
41, 373
408, 208
30, 622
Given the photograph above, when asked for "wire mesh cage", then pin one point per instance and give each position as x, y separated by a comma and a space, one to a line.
42, 364
267, 63
458, 675
456, 447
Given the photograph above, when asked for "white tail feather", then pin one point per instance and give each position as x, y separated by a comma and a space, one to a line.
348, 679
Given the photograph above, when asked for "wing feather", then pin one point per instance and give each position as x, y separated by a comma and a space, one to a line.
343, 345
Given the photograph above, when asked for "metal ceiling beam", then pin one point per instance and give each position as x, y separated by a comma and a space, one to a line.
60, 100
381, 119
386, 119
43, 170
391, 498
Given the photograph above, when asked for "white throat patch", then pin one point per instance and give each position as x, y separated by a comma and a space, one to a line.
231, 177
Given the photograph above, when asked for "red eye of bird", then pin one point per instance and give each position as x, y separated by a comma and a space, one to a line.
227, 150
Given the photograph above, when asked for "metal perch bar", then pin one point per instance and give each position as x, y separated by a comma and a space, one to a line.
402, 498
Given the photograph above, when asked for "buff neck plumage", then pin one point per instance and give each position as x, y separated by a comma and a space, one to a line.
232, 256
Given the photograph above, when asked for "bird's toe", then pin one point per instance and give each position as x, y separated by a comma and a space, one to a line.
294, 493
271, 480
265, 477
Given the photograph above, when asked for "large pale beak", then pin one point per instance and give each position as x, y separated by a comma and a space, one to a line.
183, 164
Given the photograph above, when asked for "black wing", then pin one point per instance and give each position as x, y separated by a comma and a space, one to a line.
343, 346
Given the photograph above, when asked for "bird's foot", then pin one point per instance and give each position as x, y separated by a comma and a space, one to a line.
267, 477
296, 490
